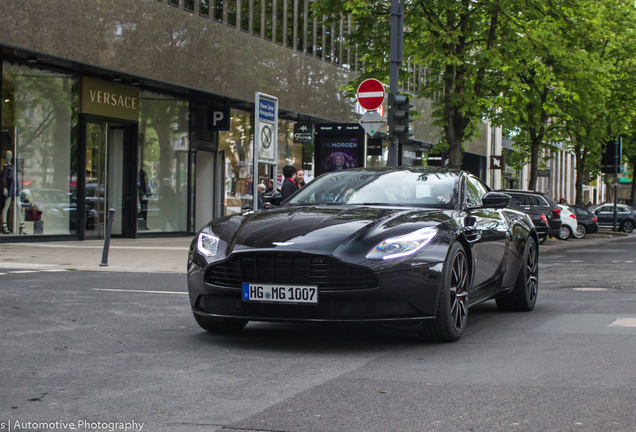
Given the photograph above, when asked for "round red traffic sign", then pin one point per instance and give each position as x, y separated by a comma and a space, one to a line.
370, 94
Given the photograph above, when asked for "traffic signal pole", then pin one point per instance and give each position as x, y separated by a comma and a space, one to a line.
397, 25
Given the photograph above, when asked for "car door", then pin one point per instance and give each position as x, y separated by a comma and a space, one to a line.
488, 231
605, 215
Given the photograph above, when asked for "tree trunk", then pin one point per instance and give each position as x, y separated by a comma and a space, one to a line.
632, 196
534, 165
579, 154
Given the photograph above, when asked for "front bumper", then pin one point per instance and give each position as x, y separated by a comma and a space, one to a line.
404, 294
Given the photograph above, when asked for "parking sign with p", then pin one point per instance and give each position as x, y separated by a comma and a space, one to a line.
218, 118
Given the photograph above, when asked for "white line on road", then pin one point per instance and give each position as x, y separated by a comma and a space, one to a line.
589, 289
56, 246
139, 291
24, 271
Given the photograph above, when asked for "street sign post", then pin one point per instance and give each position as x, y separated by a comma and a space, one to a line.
370, 94
265, 136
371, 122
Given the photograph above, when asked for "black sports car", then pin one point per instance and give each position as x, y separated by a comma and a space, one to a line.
396, 245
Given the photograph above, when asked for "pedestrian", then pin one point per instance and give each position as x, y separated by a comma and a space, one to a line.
289, 184
261, 190
167, 205
300, 178
270, 188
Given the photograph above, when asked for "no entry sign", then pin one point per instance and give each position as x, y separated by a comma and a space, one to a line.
370, 94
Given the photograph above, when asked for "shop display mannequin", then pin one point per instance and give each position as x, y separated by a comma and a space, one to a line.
10, 191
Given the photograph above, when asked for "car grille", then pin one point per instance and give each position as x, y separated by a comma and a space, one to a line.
289, 269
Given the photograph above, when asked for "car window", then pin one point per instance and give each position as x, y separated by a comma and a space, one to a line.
474, 191
603, 209
414, 188
517, 199
622, 210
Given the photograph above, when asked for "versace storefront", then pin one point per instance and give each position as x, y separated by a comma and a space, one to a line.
75, 146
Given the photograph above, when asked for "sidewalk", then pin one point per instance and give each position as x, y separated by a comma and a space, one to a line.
165, 255
603, 236
151, 255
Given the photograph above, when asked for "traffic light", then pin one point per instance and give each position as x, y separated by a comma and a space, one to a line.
399, 119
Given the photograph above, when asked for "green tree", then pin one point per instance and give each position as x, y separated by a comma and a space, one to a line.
456, 40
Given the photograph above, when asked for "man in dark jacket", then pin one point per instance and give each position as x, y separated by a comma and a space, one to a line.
289, 184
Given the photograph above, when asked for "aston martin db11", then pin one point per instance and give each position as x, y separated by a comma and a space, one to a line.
395, 245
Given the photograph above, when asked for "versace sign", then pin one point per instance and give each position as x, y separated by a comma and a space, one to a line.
108, 99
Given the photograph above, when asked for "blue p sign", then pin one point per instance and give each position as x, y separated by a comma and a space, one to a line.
218, 118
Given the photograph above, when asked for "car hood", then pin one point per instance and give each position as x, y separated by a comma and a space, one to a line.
337, 230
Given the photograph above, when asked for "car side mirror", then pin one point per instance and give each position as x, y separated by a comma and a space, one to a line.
271, 199
495, 200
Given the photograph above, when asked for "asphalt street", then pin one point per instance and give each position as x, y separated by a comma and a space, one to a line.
123, 347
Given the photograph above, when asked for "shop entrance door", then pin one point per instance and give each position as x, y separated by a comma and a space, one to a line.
107, 183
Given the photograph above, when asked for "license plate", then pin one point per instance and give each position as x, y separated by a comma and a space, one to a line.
280, 293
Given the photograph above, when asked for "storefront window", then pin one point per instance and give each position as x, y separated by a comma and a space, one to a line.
38, 182
237, 143
162, 177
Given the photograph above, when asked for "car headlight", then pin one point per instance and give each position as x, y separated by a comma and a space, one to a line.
207, 243
397, 247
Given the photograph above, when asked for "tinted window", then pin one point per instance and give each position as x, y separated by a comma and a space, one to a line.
420, 189
474, 191
517, 199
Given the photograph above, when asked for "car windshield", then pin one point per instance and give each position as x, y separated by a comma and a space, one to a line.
401, 188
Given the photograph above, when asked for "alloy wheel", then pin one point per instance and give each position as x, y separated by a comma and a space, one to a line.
580, 232
459, 292
628, 226
564, 233
532, 272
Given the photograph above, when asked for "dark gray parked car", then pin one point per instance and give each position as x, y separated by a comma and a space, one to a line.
625, 217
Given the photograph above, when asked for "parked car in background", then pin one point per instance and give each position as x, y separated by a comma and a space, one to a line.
569, 223
536, 204
586, 221
625, 217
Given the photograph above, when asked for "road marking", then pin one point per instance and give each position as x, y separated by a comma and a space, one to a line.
12, 265
24, 271
576, 261
54, 270
589, 289
140, 291
624, 322
55, 246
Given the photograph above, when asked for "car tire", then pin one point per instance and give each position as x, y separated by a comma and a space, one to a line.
221, 325
628, 226
452, 305
565, 232
524, 295
581, 232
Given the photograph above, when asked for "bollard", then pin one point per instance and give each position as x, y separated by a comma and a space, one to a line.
109, 224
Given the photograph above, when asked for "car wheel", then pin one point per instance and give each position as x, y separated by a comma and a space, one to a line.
524, 295
452, 306
565, 232
628, 226
580, 231
221, 325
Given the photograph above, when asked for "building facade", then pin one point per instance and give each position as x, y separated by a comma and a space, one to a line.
112, 104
